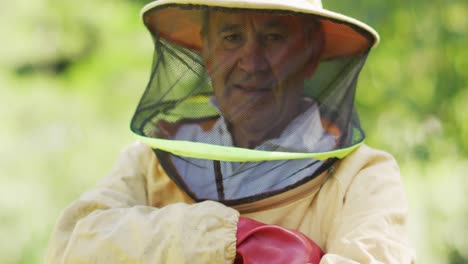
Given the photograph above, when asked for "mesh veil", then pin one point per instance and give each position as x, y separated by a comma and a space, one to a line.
193, 135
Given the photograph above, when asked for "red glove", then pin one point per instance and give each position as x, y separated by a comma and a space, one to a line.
259, 243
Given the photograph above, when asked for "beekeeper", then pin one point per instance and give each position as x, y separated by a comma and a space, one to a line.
249, 147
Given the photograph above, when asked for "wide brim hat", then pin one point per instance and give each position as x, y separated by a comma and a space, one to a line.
180, 21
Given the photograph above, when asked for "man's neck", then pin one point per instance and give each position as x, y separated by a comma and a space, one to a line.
248, 139
245, 137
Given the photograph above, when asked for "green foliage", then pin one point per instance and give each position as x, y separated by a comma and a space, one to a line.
71, 73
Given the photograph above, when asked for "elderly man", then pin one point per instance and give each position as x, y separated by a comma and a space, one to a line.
252, 151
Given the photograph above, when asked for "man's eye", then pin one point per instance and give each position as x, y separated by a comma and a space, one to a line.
274, 37
233, 37
232, 41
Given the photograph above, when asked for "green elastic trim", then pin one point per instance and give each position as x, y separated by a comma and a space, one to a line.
223, 153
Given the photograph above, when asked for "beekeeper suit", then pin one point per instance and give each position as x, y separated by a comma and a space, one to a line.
250, 149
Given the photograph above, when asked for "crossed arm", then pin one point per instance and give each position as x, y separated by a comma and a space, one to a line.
114, 223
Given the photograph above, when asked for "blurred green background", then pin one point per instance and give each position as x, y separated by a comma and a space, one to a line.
71, 74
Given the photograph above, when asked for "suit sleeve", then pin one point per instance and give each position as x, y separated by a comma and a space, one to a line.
114, 224
371, 226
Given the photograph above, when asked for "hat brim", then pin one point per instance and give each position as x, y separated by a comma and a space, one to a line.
180, 22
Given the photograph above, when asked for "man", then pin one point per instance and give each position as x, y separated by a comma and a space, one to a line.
256, 151
257, 64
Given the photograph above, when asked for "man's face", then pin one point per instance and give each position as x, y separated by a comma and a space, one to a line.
257, 64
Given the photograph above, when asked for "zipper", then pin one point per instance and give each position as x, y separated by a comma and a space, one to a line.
219, 180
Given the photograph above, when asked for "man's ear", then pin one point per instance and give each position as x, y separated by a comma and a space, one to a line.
317, 40
205, 54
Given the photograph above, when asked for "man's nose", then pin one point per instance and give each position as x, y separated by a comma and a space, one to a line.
252, 58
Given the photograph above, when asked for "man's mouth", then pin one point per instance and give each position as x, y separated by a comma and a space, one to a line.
252, 88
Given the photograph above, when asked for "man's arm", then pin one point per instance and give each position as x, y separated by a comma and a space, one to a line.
371, 226
114, 224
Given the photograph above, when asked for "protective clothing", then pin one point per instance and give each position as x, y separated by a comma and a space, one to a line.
232, 86
249, 111
356, 212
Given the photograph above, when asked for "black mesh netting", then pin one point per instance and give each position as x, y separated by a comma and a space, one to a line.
259, 80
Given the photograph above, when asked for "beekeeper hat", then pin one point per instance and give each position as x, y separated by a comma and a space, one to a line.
180, 117
180, 21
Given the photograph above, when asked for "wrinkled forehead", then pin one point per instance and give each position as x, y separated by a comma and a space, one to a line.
221, 20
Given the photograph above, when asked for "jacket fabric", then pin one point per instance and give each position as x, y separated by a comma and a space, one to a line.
357, 212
